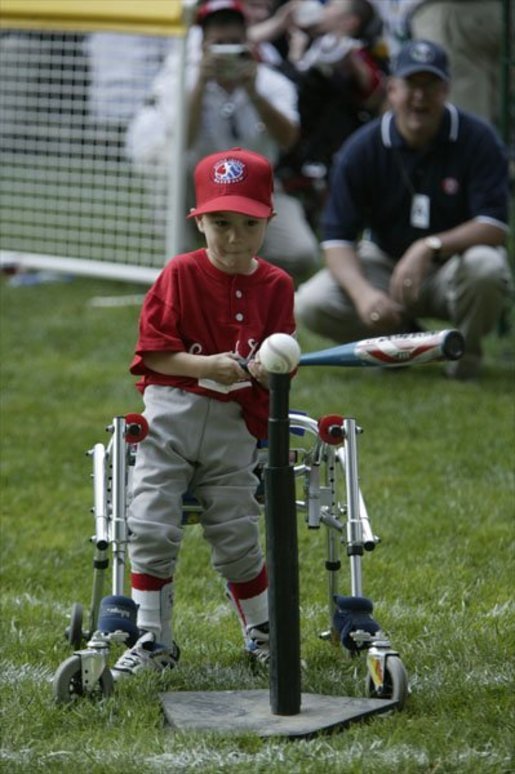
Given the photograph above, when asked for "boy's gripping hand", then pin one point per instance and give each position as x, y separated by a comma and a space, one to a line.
258, 372
223, 368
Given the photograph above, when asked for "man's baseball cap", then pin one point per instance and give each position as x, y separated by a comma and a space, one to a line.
421, 56
235, 180
210, 7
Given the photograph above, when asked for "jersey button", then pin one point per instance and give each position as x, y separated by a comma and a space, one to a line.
239, 317
239, 294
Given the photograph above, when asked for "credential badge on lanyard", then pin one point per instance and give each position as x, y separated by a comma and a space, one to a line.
420, 211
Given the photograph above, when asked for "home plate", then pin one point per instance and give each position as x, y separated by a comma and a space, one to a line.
250, 712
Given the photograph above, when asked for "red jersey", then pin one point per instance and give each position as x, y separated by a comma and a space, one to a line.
194, 307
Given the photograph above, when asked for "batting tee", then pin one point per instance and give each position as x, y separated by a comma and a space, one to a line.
74, 74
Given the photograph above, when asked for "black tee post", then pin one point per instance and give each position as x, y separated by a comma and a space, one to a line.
282, 556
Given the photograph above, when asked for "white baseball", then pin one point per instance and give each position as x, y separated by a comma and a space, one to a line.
279, 353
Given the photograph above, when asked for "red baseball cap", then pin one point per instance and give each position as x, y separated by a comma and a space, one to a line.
213, 6
235, 180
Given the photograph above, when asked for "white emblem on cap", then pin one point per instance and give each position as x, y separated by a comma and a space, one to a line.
423, 53
229, 171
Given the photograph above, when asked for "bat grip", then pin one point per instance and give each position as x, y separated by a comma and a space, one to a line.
243, 363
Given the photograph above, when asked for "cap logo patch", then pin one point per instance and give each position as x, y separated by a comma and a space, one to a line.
229, 171
422, 53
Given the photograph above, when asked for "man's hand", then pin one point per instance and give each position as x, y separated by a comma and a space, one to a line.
207, 67
223, 367
410, 272
378, 311
229, 71
375, 308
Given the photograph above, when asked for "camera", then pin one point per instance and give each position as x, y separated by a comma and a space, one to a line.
230, 50
231, 59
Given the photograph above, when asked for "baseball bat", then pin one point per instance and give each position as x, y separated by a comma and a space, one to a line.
391, 351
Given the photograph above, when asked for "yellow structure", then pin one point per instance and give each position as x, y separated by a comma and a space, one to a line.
151, 17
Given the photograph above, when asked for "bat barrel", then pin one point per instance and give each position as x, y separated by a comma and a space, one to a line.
453, 345
391, 351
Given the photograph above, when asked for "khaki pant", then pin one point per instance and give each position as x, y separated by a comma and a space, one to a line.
203, 445
470, 291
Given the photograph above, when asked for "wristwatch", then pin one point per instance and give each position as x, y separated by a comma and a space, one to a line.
435, 245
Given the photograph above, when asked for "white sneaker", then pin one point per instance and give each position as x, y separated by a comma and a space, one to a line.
257, 642
146, 654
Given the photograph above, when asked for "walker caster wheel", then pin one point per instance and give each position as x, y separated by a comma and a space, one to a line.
67, 684
395, 683
136, 428
74, 633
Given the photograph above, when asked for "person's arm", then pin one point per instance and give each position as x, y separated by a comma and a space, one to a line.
206, 72
275, 26
222, 367
283, 130
345, 218
374, 307
419, 259
195, 111
473, 232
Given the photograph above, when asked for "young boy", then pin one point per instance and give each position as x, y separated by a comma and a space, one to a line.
207, 312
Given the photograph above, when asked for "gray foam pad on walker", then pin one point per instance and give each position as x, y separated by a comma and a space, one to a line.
250, 712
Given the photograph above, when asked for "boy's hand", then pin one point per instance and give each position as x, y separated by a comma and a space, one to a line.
223, 368
258, 372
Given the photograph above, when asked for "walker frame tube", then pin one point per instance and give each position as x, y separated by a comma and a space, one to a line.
328, 469
119, 497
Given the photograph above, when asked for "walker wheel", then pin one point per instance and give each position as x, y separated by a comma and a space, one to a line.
395, 683
136, 428
330, 429
74, 633
67, 684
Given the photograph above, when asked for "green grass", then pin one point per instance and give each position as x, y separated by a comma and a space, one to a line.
437, 470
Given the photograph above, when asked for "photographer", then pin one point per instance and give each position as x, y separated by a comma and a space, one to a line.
230, 78
234, 100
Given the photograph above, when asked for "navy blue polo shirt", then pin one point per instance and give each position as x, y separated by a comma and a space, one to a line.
375, 176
